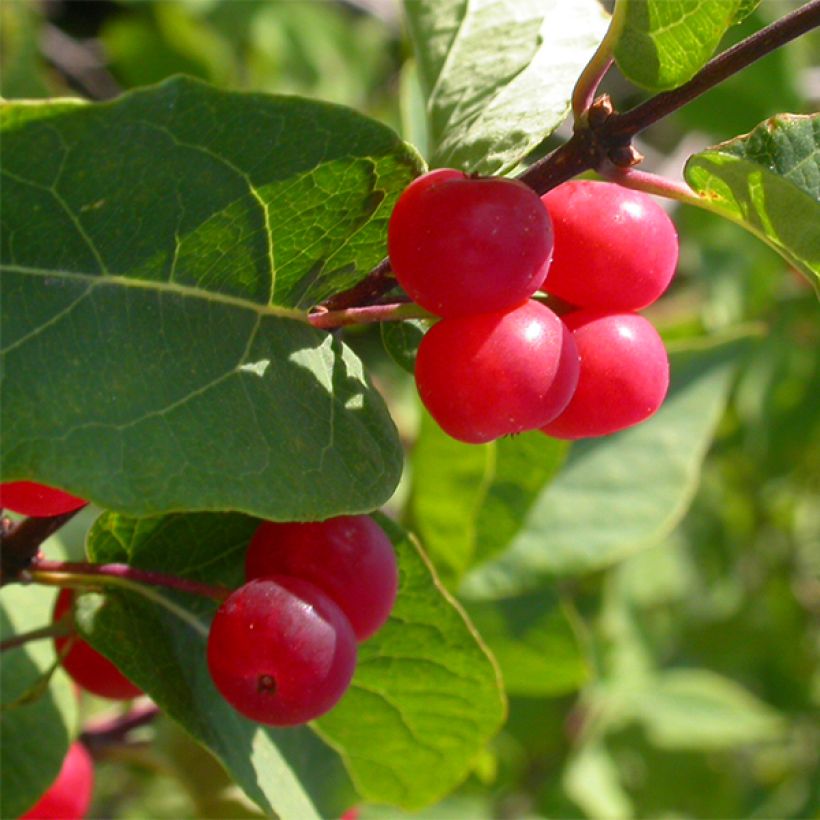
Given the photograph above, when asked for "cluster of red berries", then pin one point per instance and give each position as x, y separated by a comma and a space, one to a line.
282, 647
473, 251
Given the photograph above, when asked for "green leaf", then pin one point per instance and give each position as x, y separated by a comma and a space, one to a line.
593, 781
618, 494
157, 252
468, 500
426, 696
660, 44
402, 339
533, 642
425, 674
698, 709
768, 181
36, 725
483, 64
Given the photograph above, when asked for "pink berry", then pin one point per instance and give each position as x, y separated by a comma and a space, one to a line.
624, 375
461, 245
30, 498
69, 796
349, 558
280, 651
88, 668
615, 249
492, 374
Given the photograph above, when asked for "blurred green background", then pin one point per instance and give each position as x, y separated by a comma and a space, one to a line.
702, 689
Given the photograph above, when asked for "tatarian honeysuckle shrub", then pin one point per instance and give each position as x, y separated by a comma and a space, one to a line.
186, 272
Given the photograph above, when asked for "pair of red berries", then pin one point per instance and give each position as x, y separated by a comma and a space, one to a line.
473, 251
282, 648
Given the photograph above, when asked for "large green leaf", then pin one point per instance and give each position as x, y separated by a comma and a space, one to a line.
425, 690
660, 44
38, 719
426, 697
468, 500
483, 64
768, 181
698, 709
621, 493
157, 252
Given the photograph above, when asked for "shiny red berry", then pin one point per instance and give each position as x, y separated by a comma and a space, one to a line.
87, 667
461, 245
349, 558
30, 498
615, 249
280, 651
69, 796
624, 375
489, 375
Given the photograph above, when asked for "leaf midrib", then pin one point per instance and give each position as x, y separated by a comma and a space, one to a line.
187, 291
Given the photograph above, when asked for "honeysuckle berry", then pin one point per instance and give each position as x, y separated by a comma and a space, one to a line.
489, 375
461, 245
615, 249
280, 651
623, 379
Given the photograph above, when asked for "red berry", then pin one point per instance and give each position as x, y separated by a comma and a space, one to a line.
29, 498
460, 245
615, 249
486, 376
69, 796
624, 375
87, 667
349, 558
280, 651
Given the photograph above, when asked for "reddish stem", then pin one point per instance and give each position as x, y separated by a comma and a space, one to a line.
365, 315
125, 572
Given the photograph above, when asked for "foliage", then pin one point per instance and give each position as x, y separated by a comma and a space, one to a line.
621, 627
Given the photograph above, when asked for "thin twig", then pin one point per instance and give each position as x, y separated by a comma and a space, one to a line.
367, 315
45, 571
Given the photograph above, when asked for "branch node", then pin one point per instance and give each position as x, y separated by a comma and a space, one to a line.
625, 156
600, 111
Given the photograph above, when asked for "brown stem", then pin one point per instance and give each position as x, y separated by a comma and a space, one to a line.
624, 126
21, 541
111, 730
378, 282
